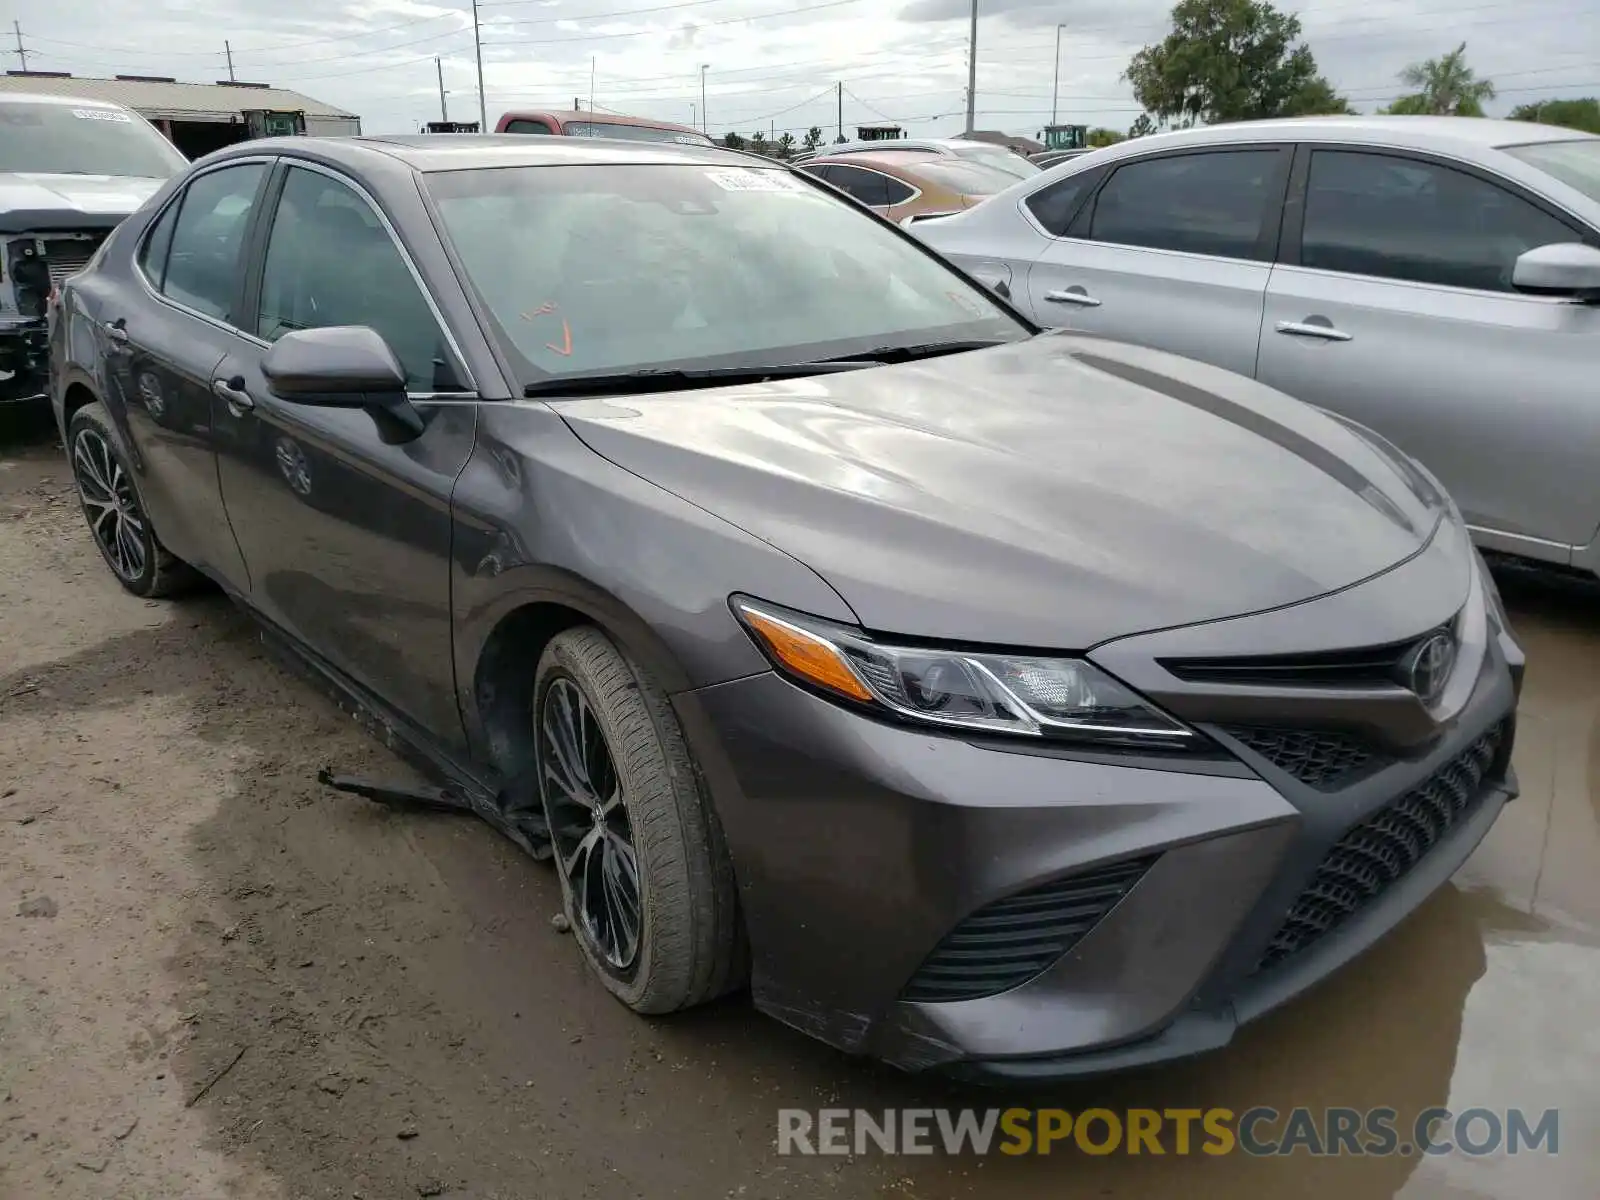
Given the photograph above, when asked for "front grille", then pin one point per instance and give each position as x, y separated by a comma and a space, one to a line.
1364, 667
1322, 759
1007, 943
66, 257
1381, 850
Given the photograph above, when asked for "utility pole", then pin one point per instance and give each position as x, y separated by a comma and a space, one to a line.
591, 82
444, 111
228, 48
21, 53
1055, 88
705, 125
841, 109
972, 72
477, 45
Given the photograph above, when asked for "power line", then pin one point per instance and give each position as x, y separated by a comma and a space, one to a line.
597, 37
341, 37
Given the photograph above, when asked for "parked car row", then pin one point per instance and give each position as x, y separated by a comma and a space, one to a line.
1008, 703
1435, 279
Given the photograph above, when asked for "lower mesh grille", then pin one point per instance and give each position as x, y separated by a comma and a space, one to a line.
1318, 758
1007, 943
1380, 851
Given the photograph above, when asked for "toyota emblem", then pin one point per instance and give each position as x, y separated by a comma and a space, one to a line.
1430, 666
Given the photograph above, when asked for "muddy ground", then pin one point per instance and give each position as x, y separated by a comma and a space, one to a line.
219, 980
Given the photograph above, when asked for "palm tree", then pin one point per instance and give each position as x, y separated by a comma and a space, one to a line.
1445, 87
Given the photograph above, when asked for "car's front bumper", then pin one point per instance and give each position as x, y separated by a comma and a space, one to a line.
24, 359
860, 846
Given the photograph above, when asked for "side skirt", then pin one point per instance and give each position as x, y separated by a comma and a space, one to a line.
510, 805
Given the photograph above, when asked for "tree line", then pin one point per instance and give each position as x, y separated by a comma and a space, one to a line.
1243, 60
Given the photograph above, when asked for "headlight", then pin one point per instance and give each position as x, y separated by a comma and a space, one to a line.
1491, 592
995, 693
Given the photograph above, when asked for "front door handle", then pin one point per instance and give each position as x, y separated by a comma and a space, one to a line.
1073, 295
1314, 327
232, 393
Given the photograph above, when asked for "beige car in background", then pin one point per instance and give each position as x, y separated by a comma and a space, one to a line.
902, 183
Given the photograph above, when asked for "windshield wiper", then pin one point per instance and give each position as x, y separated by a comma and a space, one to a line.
900, 354
679, 379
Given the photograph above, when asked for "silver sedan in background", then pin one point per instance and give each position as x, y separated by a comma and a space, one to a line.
1435, 278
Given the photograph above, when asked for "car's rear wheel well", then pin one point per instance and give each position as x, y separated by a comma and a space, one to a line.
77, 396
503, 681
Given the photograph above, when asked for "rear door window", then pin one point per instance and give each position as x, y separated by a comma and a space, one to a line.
1055, 206
896, 191
204, 262
1406, 218
869, 187
1215, 203
153, 254
528, 125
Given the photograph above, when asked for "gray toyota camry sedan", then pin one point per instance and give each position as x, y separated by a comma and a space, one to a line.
1013, 704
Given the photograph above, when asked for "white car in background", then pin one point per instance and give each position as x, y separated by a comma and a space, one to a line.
1436, 279
70, 171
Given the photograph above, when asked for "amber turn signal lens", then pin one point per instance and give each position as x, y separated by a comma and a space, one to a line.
806, 655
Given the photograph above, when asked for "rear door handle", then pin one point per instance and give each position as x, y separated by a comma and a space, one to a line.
1073, 295
1314, 329
232, 393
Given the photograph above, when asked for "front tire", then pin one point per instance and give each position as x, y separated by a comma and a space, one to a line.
645, 876
115, 513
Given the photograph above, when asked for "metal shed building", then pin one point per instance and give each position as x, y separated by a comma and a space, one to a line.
197, 117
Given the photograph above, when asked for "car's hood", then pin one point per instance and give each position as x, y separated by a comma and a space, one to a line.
1053, 493
36, 201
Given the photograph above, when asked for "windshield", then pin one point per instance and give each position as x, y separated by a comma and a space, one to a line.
999, 158
629, 267
1575, 163
966, 177
634, 133
69, 139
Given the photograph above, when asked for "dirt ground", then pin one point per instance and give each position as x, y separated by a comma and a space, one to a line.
219, 980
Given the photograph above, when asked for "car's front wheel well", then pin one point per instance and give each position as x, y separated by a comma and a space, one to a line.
503, 681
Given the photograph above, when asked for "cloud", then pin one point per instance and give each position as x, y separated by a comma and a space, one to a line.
775, 65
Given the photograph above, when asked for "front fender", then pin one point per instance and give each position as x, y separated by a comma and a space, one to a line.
542, 519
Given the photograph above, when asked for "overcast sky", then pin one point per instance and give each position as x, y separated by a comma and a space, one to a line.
771, 63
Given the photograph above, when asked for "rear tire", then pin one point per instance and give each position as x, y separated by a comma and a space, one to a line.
114, 510
688, 944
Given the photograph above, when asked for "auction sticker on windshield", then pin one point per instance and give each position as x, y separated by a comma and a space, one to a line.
754, 181
101, 114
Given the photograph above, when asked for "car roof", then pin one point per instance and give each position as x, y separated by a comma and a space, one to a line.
1413, 133
476, 151
42, 98
597, 118
882, 159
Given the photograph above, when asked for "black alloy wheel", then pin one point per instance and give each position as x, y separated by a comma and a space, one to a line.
589, 826
111, 504
116, 520
645, 876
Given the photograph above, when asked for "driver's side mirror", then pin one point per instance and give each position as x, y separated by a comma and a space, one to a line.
341, 366
1560, 269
